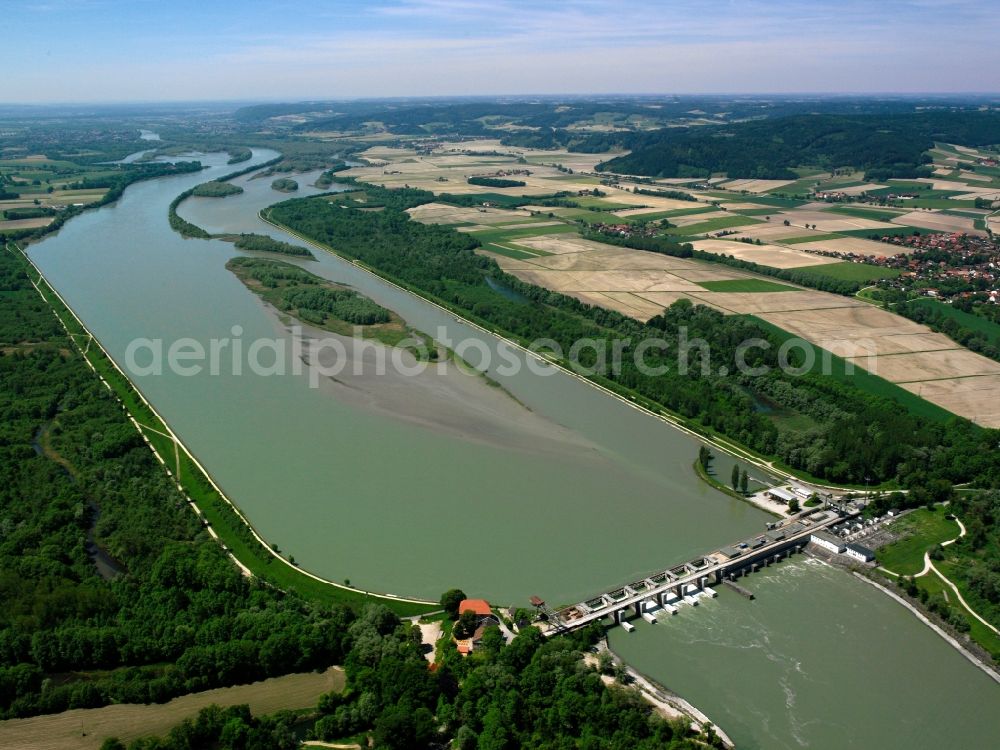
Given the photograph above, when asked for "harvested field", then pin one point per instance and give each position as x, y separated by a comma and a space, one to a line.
600, 261
567, 243
442, 213
857, 245
607, 281
86, 728
917, 366
722, 273
627, 304
655, 205
640, 284
859, 189
850, 319
993, 195
825, 221
938, 222
976, 397
41, 221
875, 346
772, 231
666, 299
975, 177
759, 303
776, 256
937, 184
755, 186
686, 221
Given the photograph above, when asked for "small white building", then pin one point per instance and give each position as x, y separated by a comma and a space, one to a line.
827, 541
859, 552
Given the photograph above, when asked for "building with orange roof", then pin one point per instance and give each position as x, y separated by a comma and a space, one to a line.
480, 606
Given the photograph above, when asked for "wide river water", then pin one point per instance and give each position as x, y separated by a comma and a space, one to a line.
412, 486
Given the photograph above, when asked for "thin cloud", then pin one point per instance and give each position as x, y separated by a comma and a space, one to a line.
311, 48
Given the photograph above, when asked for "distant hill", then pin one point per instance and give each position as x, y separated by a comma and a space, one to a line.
882, 145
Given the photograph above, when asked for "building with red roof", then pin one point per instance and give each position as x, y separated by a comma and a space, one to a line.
480, 606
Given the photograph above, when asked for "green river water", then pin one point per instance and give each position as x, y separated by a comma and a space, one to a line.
577, 495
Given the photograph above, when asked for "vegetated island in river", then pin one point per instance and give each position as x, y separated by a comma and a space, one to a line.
324, 304
216, 189
261, 243
285, 185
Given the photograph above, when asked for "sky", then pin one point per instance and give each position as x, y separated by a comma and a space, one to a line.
184, 50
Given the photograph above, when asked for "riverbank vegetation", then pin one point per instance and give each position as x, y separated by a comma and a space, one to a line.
326, 179
848, 429
318, 302
216, 189
239, 154
180, 225
261, 243
285, 185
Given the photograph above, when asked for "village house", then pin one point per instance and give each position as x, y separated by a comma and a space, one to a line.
484, 619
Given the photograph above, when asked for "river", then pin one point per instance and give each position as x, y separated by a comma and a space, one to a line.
818, 660
354, 493
578, 494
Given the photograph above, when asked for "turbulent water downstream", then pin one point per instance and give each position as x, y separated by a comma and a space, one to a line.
415, 485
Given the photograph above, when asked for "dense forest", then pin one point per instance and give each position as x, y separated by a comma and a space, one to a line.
495, 182
883, 146
529, 693
168, 613
852, 435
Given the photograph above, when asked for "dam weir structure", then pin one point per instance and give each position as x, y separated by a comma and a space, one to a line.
679, 581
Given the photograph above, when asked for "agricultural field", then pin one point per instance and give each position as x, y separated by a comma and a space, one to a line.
540, 244
773, 255
746, 286
87, 728
640, 284
35, 190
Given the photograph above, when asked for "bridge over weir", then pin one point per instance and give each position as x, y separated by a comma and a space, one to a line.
779, 541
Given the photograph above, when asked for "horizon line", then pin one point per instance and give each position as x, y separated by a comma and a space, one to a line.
440, 97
